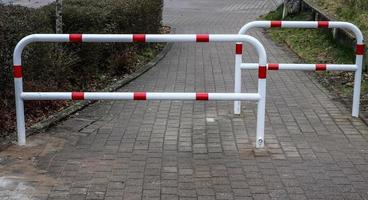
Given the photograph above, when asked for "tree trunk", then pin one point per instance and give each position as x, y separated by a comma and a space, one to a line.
59, 30
291, 7
59, 16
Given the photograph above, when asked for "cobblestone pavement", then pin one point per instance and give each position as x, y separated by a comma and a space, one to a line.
199, 150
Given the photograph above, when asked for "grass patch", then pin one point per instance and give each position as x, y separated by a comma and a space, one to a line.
354, 11
318, 46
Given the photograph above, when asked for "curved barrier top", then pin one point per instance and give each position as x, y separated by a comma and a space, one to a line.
17, 56
20, 95
357, 67
305, 24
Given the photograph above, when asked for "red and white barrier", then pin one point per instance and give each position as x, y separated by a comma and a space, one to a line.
21, 96
357, 67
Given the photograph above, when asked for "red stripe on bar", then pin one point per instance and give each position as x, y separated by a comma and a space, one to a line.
17, 71
276, 23
360, 49
321, 67
140, 96
239, 49
273, 66
203, 37
77, 95
323, 24
75, 38
262, 72
139, 37
202, 96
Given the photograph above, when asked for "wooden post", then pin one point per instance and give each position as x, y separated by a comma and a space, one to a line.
334, 33
316, 16
284, 10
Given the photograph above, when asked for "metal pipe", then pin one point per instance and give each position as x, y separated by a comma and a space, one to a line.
357, 67
304, 67
148, 96
20, 96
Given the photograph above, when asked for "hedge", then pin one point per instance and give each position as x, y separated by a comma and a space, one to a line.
65, 67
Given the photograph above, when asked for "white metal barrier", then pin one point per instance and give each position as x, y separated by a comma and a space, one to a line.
21, 96
357, 67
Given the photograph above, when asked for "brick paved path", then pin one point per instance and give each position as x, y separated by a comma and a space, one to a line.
199, 150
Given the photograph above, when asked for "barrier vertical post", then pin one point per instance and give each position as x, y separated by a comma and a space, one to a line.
360, 50
261, 107
237, 79
18, 84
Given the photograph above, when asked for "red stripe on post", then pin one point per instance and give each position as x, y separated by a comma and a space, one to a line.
273, 66
75, 38
323, 24
17, 71
139, 37
321, 67
262, 72
202, 96
140, 96
239, 49
77, 95
276, 23
203, 37
360, 49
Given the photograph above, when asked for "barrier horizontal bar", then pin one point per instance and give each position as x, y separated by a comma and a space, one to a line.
139, 96
136, 38
305, 67
17, 61
305, 24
